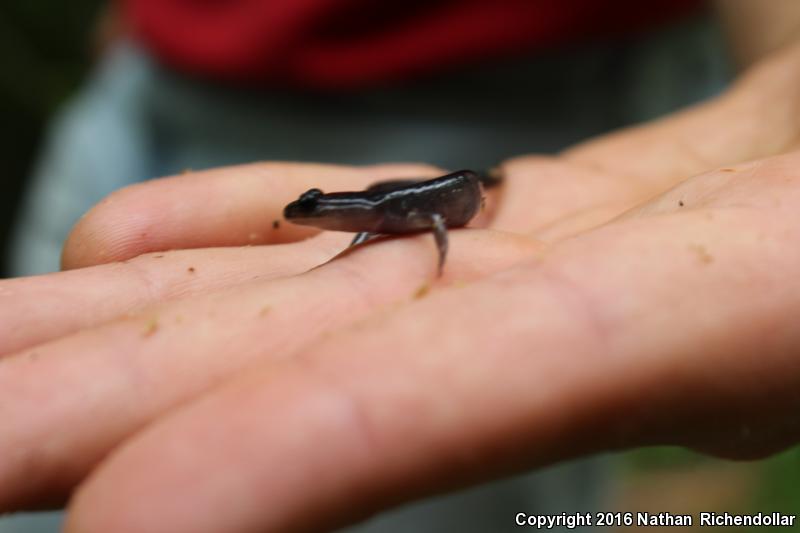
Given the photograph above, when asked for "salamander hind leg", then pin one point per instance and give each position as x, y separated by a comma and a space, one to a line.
440, 234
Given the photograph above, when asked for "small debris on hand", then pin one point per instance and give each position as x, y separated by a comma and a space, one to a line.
422, 291
150, 327
702, 253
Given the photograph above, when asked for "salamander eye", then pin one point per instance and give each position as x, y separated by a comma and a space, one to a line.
309, 198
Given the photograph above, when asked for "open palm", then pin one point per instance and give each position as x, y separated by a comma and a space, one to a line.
180, 378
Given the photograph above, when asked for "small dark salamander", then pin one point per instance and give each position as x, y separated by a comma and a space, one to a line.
396, 207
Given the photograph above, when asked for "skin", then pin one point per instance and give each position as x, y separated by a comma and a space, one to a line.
650, 298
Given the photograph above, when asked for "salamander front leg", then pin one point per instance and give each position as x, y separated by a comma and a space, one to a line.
361, 236
440, 234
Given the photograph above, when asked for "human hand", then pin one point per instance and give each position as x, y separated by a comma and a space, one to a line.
593, 335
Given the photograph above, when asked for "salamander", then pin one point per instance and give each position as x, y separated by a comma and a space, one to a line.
396, 207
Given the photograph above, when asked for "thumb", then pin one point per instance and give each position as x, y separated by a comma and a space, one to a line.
756, 118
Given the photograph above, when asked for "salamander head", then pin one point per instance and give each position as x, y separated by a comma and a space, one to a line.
305, 207
336, 211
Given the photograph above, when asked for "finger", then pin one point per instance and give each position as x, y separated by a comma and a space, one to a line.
551, 198
113, 379
37, 309
594, 182
754, 119
603, 344
231, 206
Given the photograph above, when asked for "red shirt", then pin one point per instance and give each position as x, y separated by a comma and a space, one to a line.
341, 44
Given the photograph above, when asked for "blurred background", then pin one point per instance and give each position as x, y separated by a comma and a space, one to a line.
47, 48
